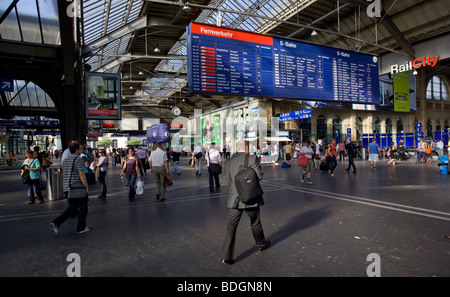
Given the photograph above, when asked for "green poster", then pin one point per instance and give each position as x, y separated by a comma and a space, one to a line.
401, 92
211, 129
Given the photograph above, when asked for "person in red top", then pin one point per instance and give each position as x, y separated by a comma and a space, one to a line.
331, 156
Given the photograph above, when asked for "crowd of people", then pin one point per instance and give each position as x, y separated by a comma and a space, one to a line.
82, 167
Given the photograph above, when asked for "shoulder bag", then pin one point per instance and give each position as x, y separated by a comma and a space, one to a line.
76, 191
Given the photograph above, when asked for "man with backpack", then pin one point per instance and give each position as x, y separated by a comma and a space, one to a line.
236, 206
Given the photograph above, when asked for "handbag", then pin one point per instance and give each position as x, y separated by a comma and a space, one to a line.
303, 161
168, 181
75, 191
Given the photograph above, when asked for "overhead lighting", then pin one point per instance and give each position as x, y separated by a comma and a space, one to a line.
157, 50
141, 73
186, 8
314, 33
131, 88
415, 72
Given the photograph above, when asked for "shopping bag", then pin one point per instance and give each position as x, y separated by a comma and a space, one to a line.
139, 187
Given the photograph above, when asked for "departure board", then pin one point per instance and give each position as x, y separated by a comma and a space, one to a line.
234, 62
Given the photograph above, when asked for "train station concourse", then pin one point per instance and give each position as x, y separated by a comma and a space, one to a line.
360, 88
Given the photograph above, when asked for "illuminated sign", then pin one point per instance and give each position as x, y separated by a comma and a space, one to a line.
240, 63
416, 64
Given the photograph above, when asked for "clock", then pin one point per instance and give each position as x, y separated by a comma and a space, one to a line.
176, 111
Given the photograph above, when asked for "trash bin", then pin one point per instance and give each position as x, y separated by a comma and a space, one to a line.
442, 166
55, 183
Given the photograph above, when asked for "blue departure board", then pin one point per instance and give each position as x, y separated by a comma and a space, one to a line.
234, 62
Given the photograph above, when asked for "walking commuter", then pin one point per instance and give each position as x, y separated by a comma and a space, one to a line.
73, 174
213, 158
318, 151
198, 156
309, 153
142, 155
374, 152
341, 147
102, 165
159, 166
332, 155
131, 170
32, 164
391, 153
176, 161
236, 208
351, 154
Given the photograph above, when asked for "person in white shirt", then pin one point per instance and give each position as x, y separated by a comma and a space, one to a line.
309, 153
214, 164
160, 168
440, 148
198, 154
66, 152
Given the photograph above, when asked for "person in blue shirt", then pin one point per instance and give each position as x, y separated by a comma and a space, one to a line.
32, 164
374, 152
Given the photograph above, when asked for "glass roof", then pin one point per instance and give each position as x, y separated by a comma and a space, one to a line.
34, 21
270, 10
101, 18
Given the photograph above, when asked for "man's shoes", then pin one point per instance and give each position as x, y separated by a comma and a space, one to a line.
211, 190
447, 236
101, 196
162, 199
87, 229
347, 170
310, 182
354, 171
157, 197
229, 262
268, 242
40, 202
30, 202
196, 172
303, 179
55, 228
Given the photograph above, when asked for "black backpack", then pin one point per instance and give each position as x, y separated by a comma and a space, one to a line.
247, 184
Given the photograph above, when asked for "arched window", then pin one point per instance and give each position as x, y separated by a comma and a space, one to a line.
399, 126
388, 126
436, 89
429, 128
438, 125
359, 129
337, 127
321, 127
376, 125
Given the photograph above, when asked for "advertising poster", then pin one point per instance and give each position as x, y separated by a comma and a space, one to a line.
102, 93
211, 129
401, 92
95, 128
